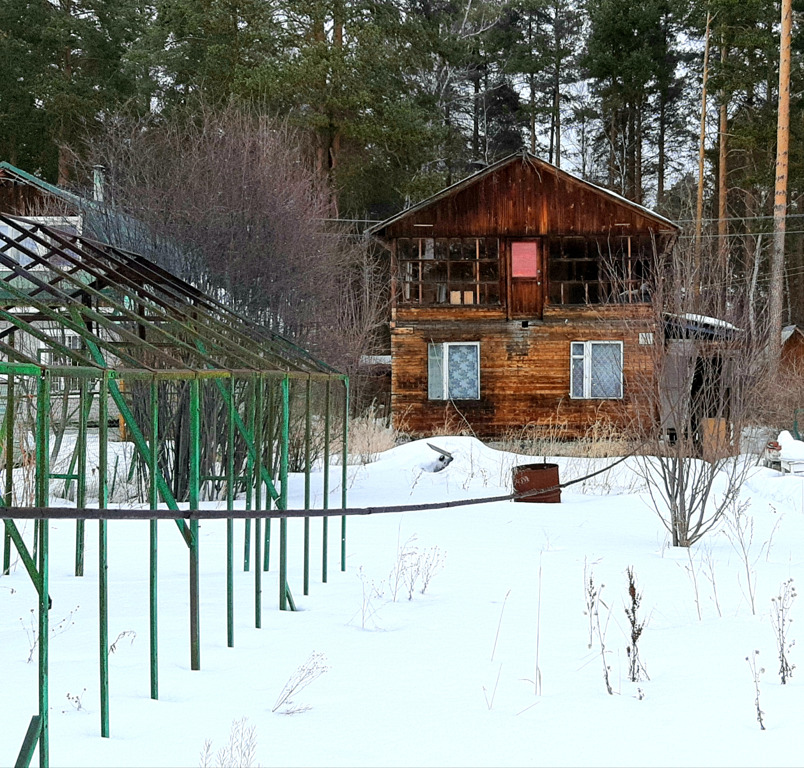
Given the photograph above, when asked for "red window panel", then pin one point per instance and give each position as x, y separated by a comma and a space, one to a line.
525, 259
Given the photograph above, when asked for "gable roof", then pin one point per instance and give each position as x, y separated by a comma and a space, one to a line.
23, 177
525, 156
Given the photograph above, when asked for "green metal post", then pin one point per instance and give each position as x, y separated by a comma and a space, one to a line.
250, 461
153, 469
344, 459
307, 439
258, 384
269, 462
103, 584
325, 523
8, 491
230, 482
195, 488
42, 499
81, 485
44, 633
283, 497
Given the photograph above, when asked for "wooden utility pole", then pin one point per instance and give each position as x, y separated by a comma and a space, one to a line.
722, 196
701, 144
780, 192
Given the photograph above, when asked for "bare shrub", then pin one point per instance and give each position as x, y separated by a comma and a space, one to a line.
371, 593
311, 670
636, 670
230, 200
240, 752
598, 627
780, 618
57, 628
704, 369
431, 561
755, 675
406, 556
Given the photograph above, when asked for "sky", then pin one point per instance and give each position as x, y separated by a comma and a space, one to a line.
502, 660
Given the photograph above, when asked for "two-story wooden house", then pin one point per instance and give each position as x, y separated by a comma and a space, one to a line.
520, 296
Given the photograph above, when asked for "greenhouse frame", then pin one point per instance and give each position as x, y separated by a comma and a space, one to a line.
98, 344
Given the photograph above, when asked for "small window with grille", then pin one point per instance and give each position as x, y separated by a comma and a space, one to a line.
453, 371
596, 369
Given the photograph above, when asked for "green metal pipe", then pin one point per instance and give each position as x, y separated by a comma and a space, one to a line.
325, 524
195, 489
248, 437
42, 495
268, 461
283, 497
258, 392
29, 743
44, 635
103, 585
81, 484
230, 482
153, 469
344, 460
307, 440
8, 491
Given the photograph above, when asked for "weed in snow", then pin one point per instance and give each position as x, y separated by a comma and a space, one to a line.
240, 752
311, 670
780, 618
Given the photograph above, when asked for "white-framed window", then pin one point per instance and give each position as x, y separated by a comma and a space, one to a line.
453, 371
596, 369
52, 357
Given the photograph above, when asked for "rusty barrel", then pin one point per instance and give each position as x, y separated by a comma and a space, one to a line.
535, 477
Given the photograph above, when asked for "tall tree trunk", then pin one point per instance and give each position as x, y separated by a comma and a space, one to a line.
701, 146
722, 190
661, 162
638, 157
557, 119
780, 191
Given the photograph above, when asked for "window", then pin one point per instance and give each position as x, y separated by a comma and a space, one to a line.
596, 369
599, 270
456, 271
453, 371
53, 357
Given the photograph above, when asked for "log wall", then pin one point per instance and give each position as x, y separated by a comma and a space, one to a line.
524, 369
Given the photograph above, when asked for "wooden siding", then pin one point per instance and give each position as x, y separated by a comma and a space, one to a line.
18, 199
524, 371
525, 198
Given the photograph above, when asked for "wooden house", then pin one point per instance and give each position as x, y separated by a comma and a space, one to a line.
520, 296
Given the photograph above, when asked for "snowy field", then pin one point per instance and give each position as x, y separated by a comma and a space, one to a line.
498, 663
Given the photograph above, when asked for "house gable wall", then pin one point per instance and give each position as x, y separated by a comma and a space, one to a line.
525, 198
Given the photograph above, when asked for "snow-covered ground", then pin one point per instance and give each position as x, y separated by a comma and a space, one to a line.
498, 663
